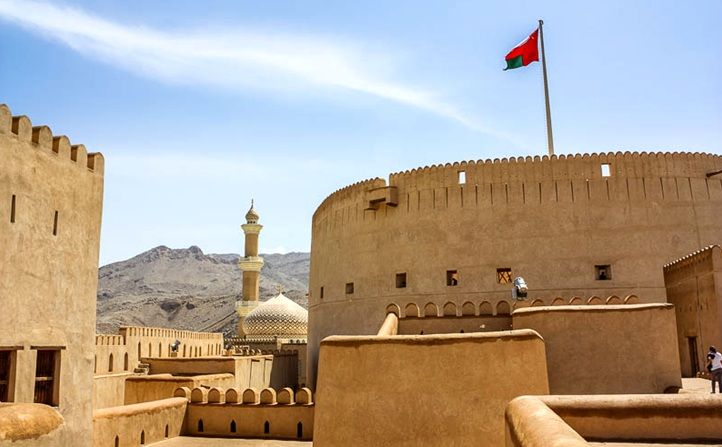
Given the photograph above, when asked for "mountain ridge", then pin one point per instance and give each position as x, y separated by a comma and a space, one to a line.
185, 288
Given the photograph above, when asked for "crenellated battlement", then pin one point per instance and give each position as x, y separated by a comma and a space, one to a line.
41, 137
696, 256
579, 179
351, 191
248, 396
140, 331
249, 413
109, 340
538, 180
499, 308
581, 165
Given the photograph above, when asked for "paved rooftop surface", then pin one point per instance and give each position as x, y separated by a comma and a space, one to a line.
696, 385
184, 441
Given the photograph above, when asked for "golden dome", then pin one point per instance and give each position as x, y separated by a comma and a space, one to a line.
252, 216
277, 317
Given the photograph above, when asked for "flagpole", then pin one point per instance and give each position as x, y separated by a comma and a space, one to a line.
550, 136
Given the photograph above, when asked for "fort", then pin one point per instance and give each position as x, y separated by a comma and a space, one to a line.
447, 239
418, 330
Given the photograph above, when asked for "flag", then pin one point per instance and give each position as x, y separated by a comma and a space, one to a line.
525, 53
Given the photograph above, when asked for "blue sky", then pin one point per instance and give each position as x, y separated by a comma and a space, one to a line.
200, 106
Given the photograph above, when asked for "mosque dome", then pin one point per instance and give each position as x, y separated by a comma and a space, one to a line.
277, 317
252, 216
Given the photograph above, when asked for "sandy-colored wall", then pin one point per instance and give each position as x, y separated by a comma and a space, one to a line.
446, 389
606, 349
283, 421
161, 386
550, 220
49, 281
637, 419
153, 421
111, 355
451, 325
694, 286
109, 390
133, 344
284, 372
249, 372
641, 417
301, 350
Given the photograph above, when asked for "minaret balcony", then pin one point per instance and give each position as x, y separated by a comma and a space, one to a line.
251, 263
250, 228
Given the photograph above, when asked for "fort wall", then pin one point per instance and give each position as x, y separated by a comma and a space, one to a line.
109, 390
51, 196
429, 319
536, 421
433, 235
612, 349
694, 286
161, 386
123, 352
417, 392
250, 371
250, 413
139, 424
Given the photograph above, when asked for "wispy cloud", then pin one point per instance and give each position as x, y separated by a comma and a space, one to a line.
229, 59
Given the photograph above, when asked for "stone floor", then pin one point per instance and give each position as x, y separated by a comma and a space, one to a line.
695, 385
184, 441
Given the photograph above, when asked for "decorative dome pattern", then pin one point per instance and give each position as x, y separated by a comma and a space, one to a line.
252, 216
277, 317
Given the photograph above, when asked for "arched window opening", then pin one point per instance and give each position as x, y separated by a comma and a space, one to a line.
150, 350
461, 331
166, 430
139, 351
126, 366
110, 363
299, 430
95, 365
266, 427
200, 425
117, 441
233, 426
142, 437
160, 349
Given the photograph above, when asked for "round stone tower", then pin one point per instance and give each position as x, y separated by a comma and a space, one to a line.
250, 265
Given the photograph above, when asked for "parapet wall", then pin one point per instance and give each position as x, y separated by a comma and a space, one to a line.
611, 349
123, 352
424, 390
139, 424
248, 372
249, 413
576, 421
585, 225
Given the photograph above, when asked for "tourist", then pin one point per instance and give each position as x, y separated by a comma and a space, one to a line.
715, 367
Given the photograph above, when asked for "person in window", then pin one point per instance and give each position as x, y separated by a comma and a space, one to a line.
714, 360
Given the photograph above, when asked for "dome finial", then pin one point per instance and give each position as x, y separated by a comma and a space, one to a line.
252, 216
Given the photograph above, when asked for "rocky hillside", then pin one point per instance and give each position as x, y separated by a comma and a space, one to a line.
187, 289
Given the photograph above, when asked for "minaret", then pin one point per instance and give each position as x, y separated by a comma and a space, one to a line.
250, 265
